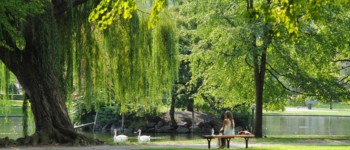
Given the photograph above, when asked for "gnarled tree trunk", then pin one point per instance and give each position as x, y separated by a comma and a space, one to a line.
43, 85
47, 97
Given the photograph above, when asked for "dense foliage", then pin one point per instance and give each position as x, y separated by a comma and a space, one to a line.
58, 57
304, 40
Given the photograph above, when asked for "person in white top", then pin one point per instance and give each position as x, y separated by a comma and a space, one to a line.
228, 127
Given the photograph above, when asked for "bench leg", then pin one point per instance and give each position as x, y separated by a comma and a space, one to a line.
228, 142
246, 142
209, 140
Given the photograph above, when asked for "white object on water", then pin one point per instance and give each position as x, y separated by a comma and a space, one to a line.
119, 138
143, 138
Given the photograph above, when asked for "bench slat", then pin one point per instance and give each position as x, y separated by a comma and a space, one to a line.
228, 136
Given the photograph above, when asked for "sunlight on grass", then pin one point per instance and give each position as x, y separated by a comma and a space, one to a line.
175, 149
298, 138
317, 109
282, 147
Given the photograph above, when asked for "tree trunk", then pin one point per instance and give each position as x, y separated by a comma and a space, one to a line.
259, 76
259, 72
46, 95
45, 89
172, 110
190, 104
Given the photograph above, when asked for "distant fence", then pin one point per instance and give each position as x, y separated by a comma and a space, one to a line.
12, 96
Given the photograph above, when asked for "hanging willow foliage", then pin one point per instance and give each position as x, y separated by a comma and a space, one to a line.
127, 65
4, 90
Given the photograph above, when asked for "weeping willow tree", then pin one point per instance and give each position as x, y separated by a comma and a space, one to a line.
266, 52
56, 55
132, 64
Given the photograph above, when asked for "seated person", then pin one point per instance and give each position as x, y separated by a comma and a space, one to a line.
228, 127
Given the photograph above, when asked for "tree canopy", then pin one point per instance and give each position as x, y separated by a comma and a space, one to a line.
299, 44
58, 56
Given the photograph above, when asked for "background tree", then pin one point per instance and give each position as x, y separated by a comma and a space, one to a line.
236, 42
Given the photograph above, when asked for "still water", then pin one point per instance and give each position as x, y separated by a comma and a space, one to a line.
12, 127
306, 125
272, 125
108, 137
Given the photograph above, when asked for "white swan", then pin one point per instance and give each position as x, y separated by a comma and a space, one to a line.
143, 138
119, 138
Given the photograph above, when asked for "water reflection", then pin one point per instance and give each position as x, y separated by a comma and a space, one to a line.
12, 127
272, 125
305, 125
108, 137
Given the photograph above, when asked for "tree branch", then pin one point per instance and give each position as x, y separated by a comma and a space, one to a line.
246, 61
341, 80
341, 60
142, 11
273, 75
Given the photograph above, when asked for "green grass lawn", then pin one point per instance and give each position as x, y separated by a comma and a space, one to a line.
271, 148
293, 147
317, 109
271, 144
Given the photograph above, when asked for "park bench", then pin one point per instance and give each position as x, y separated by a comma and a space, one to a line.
228, 138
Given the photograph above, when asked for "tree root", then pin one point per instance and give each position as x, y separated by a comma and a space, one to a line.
43, 139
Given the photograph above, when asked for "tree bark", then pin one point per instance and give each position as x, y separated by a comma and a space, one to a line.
46, 95
259, 60
46, 92
172, 109
190, 104
259, 76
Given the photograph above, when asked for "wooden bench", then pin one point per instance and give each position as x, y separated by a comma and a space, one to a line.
228, 138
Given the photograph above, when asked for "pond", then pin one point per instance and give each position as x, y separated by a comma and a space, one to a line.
306, 125
272, 125
12, 127
108, 137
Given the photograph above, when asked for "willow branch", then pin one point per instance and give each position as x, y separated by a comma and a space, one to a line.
142, 11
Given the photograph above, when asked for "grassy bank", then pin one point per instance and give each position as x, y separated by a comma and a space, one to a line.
270, 148
317, 109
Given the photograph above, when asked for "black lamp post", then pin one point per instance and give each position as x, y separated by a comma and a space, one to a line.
253, 118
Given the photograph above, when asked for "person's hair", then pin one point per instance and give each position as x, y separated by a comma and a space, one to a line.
228, 115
